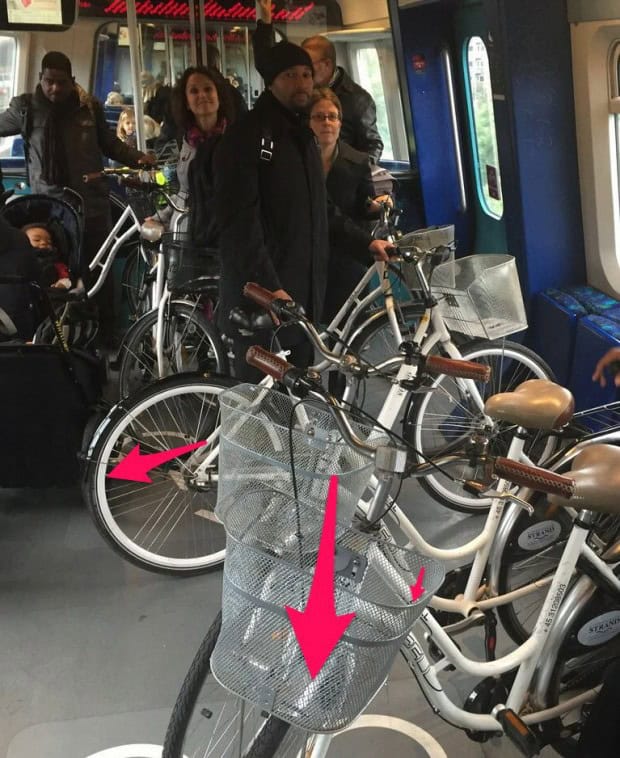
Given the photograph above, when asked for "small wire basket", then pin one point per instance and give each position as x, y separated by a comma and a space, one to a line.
269, 566
263, 431
141, 203
426, 240
480, 296
190, 268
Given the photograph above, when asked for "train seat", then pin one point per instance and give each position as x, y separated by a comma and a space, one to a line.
556, 314
594, 335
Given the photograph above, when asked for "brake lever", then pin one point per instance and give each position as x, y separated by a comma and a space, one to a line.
483, 490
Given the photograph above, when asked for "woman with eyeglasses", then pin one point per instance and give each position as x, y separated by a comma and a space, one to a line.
350, 188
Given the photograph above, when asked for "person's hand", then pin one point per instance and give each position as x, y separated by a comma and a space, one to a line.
62, 284
383, 250
147, 159
611, 356
263, 11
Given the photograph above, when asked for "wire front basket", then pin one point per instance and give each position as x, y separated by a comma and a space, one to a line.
141, 203
263, 431
426, 240
189, 267
480, 296
269, 566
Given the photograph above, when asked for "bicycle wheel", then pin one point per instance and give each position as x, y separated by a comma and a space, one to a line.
531, 553
446, 414
191, 343
167, 525
375, 343
210, 722
134, 283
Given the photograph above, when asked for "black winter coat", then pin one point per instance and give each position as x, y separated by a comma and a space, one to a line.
359, 116
271, 214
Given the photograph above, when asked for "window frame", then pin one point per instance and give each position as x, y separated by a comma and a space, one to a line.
474, 132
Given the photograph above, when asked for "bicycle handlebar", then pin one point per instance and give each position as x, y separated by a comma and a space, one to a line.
533, 477
437, 364
272, 365
259, 295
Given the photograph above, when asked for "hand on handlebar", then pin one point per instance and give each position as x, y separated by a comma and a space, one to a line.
280, 295
148, 159
383, 250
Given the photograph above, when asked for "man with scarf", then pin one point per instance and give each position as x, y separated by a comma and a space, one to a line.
271, 206
65, 135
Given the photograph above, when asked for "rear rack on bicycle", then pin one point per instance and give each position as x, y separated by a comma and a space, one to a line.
598, 419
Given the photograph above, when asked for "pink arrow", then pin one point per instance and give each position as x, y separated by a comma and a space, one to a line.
318, 629
134, 467
417, 589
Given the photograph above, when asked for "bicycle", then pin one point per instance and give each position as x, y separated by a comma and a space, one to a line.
527, 706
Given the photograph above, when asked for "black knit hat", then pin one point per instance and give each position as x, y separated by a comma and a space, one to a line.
57, 61
278, 58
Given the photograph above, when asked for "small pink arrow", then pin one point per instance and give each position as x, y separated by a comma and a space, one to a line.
417, 589
134, 466
318, 629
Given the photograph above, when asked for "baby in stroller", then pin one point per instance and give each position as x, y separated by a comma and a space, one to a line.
54, 271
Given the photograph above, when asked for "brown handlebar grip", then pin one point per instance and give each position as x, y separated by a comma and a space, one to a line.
535, 478
92, 177
259, 295
436, 364
267, 362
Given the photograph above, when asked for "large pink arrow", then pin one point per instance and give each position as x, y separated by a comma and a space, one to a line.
134, 466
417, 589
318, 629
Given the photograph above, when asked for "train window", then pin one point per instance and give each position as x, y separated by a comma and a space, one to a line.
8, 75
374, 68
614, 106
482, 124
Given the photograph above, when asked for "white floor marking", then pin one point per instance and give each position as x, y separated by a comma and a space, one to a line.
422, 737
129, 751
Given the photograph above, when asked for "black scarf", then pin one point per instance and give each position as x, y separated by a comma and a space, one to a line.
55, 170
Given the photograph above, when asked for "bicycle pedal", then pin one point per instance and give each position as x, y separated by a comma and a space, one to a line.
518, 732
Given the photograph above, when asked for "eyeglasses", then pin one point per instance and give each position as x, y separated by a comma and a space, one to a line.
332, 117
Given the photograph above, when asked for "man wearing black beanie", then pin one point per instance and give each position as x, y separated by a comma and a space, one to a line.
65, 134
271, 205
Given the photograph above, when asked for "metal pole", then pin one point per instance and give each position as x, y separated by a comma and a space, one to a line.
204, 58
192, 32
135, 64
248, 78
168, 42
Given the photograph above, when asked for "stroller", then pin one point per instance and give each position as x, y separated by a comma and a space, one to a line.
47, 391
77, 318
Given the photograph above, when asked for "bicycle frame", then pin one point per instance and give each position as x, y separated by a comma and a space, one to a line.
527, 658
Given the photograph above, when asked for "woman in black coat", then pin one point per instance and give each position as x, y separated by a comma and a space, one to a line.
350, 188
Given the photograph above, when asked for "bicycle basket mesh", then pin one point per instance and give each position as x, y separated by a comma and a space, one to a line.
189, 268
255, 450
481, 296
141, 203
269, 567
426, 240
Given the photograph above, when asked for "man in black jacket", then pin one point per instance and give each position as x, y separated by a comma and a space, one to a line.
359, 113
65, 134
271, 204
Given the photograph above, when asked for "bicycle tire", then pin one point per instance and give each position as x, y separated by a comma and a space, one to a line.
531, 552
197, 728
443, 416
167, 526
191, 343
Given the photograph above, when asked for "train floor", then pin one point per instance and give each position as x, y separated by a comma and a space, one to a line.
93, 649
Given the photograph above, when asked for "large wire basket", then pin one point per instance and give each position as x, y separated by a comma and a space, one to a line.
264, 433
190, 268
269, 566
480, 296
141, 203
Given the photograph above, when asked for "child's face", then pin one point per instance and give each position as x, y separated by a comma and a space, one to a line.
39, 238
130, 126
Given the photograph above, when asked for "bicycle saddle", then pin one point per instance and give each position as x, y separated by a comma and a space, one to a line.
596, 473
535, 404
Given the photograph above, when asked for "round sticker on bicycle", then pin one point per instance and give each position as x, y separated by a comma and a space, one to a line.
600, 629
539, 535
